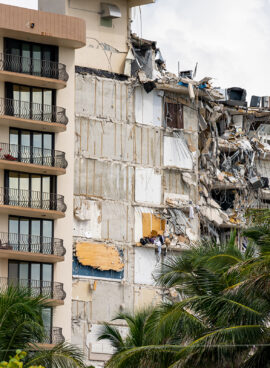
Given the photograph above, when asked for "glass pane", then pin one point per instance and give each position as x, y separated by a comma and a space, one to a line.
47, 237
47, 151
13, 143
37, 148
47, 272
13, 272
25, 111
26, 61
13, 193
35, 279
35, 231
46, 192
47, 98
13, 232
23, 274
25, 146
47, 322
47, 66
13, 59
37, 103
16, 102
24, 235
36, 60
36, 191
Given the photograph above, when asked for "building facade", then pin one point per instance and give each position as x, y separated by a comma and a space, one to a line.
37, 53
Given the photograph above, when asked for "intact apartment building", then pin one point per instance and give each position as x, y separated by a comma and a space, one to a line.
37, 76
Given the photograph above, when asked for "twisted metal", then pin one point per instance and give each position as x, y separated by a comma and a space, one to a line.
32, 199
33, 111
32, 155
36, 67
32, 243
47, 289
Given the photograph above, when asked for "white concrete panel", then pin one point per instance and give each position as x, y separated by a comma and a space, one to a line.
177, 154
148, 107
145, 264
87, 218
147, 186
99, 347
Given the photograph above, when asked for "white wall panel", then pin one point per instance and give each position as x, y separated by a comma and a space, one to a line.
147, 186
177, 154
148, 107
145, 264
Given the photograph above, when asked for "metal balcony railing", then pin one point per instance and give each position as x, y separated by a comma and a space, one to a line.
48, 289
31, 199
33, 155
32, 244
54, 337
36, 67
33, 111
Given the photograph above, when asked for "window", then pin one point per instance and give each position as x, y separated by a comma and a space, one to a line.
29, 190
30, 102
31, 147
31, 235
174, 115
37, 276
47, 322
31, 58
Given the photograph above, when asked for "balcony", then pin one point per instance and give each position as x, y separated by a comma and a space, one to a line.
52, 291
30, 203
31, 248
32, 159
53, 337
33, 116
32, 72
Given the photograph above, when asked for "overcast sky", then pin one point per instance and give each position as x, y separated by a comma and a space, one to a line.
230, 39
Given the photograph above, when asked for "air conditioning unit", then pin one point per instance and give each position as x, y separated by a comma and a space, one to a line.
110, 11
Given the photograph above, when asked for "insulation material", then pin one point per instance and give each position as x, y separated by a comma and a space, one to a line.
145, 264
147, 186
104, 257
117, 141
87, 218
148, 107
104, 98
176, 153
147, 224
152, 225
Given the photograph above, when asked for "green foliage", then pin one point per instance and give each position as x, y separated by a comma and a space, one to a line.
17, 361
21, 327
220, 317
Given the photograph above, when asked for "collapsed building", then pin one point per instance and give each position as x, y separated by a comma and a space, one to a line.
161, 160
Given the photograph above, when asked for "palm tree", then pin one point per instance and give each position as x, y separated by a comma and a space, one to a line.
223, 312
21, 327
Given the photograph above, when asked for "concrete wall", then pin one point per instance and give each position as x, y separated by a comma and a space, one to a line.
127, 165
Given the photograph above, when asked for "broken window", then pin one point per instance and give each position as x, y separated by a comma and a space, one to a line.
174, 115
225, 198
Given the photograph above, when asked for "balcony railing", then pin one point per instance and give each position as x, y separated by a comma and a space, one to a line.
32, 155
48, 289
36, 67
54, 337
32, 244
31, 199
33, 111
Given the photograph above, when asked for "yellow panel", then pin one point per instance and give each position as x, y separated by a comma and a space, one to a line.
152, 225
101, 256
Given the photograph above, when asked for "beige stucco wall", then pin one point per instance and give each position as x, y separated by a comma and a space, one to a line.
106, 47
63, 228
